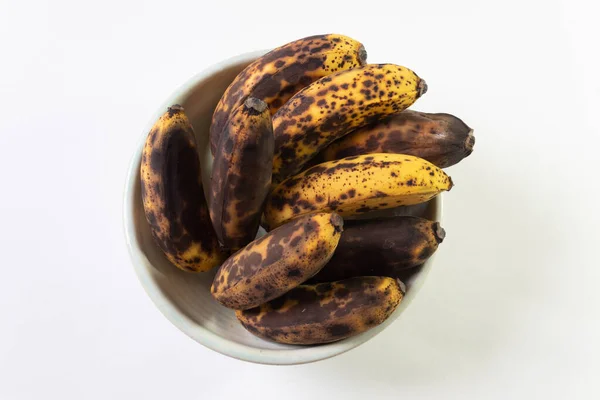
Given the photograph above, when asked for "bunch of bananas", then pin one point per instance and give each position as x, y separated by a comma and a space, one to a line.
310, 142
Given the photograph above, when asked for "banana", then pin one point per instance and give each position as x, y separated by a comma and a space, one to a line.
441, 139
333, 106
421, 210
241, 175
326, 312
172, 194
382, 247
355, 185
277, 262
279, 74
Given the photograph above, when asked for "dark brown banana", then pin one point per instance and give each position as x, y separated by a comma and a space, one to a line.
382, 247
241, 174
422, 210
441, 139
326, 312
278, 261
172, 193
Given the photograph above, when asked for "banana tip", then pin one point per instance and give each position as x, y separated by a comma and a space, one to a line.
470, 142
450, 183
255, 104
362, 55
439, 232
402, 286
338, 222
175, 108
422, 88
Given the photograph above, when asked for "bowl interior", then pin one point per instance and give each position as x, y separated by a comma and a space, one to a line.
184, 298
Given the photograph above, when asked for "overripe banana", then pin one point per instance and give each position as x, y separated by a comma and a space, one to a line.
241, 175
282, 72
326, 312
441, 139
172, 194
333, 106
278, 261
382, 247
355, 185
422, 210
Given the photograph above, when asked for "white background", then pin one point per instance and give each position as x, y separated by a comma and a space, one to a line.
510, 309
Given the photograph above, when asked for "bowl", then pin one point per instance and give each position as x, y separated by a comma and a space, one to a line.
184, 298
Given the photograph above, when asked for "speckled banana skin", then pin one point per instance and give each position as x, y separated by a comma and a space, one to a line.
326, 312
172, 193
241, 175
441, 139
278, 261
279, 74
335, 105
382, 247
355, 185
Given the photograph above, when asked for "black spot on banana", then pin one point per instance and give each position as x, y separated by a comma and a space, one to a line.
279, 74
326, 312
335, 105
277, 262
441, 139
174, 201
382, 247
356, 185
241, 175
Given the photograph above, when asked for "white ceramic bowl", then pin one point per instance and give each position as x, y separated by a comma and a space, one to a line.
185, 298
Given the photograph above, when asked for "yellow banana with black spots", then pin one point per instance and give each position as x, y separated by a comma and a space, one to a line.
241, 174
326, 312
335, 105
282, 72
172, 194
439, 138
278, 261
355, 185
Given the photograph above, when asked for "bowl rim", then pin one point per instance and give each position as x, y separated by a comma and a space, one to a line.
209, 339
